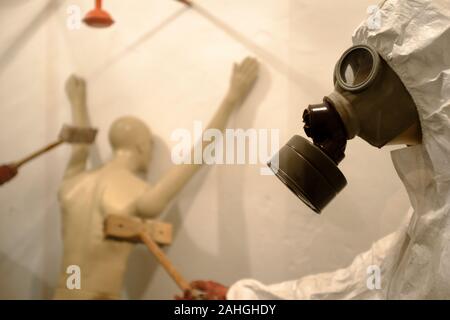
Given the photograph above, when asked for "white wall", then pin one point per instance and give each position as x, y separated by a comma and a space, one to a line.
170, 66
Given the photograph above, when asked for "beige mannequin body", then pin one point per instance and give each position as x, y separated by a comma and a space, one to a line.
87, 197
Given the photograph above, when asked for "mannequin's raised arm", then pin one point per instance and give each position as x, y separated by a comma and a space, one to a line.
155, 199
76, 93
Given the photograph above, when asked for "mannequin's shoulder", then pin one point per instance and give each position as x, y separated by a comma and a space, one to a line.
124, 180
116, 190
69, 185
121, 191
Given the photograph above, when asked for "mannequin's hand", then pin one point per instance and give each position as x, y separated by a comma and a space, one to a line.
76, 90
210, 290
243, 78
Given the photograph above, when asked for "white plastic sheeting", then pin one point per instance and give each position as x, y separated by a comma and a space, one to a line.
170, 65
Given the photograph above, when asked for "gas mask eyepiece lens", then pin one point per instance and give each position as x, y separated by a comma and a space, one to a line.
357, 68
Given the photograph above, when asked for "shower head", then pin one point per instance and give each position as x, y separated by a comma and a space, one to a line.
98, 18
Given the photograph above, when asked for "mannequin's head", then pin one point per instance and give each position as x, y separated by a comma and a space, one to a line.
132, 138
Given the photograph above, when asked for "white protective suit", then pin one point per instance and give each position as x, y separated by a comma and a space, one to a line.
414, 39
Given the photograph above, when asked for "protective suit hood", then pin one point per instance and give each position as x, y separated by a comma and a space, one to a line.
413, 37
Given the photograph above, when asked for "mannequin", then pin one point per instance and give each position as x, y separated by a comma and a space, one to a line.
88, 196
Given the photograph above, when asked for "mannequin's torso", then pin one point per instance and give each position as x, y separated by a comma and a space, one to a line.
85, 201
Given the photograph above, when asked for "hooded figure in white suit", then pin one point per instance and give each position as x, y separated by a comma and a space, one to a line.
414, 39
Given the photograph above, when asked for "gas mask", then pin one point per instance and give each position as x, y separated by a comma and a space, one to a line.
369, 101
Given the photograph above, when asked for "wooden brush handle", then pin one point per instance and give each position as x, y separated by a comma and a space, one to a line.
37, 153
9, 171
165, 262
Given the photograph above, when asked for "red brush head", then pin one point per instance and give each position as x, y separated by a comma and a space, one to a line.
98, 18
7, 172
